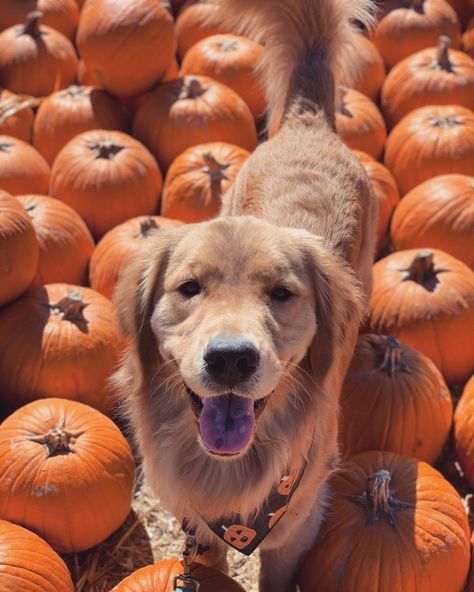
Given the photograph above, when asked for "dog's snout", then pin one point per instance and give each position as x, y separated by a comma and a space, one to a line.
231, 361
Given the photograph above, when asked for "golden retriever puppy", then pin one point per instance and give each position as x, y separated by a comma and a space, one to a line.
242, 327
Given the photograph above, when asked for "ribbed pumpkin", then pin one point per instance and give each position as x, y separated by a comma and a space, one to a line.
409, 26
16, 115
22, 168
197, 179
67, 113
59, 340
61, 15
464, 431
393, 398
386, 193
29, 564
116, 40
438, 213
392, 524
190, 111
431, 141
426, 299
65, 242
232, 60
160, 577
192, 25
369, 68
66, 472
360, 124
36, 60
108, 177
19, 249
118, 246
435, 76
468, 39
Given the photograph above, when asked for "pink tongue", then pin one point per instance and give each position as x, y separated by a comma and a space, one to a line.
227, 423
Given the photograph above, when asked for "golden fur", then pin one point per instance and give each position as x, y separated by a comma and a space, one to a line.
300, 214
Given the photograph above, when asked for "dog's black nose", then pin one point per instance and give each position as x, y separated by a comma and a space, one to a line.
230, 361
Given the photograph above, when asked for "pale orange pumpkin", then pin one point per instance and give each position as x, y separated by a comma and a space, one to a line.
66, 473
16, 115
193, 24
367, 71
22, 168
464, 431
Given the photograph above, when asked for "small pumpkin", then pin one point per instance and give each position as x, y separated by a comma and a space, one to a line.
29, 564
67, 113
66, 473
434, 76
22, 168
464, 431
367, 68
392, 523
19, 249
109, 168
197, 179
437, 213
16, 115
59, 340
194, 24
232, 60
116, 40
189, 111
359, 123
65, 243
117, 247
431, 141
35, 59
426, 299
468, 39
393, 398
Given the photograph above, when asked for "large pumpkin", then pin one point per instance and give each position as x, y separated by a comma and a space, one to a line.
434, 76
360, 124
67, 113
393, 398
392, 524
29, 564
194, 24
232, 60
59, 340
189, 111
22, 168
117, 247
386, 192
438, 213
66, 472
16, 115
65, 243
468, 39
197, 179
107, 177
19, 249
367, 68
426, 299
464, 431
431, 141
36, 59
127, 46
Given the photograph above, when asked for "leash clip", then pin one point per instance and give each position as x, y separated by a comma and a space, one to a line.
184, 582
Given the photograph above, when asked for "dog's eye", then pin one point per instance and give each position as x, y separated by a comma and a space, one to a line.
280, 294
190, 288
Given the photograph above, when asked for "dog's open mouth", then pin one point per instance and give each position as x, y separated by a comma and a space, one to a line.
227, 422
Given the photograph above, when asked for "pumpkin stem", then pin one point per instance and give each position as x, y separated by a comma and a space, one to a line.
215, 170
105, 149
417, 5
192, 89
32, 23
228, 44
344, 110
70, 307
58, 441
392, 356
146, 228
10, 106
446, 122
421, 268
75, 91
4, 146
442, 57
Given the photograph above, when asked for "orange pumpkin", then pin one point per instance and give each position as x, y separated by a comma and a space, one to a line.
386, 192
392, 523
160, 578
189, 111
59, 340
85, 77
36, 59
434, 76
232, 60
65, 243
116, 40
431, 141
67, 113
426, 299
109, 168
193, 24
468, 39
173, 71
409, 26
19, 249
359, 123
393, 398
464, 431
463, 8
22, 168
117, 247
28, 564
66, 472
438, 213
197, 179
16, 115
368, 66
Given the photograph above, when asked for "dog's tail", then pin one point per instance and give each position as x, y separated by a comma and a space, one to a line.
307, 45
